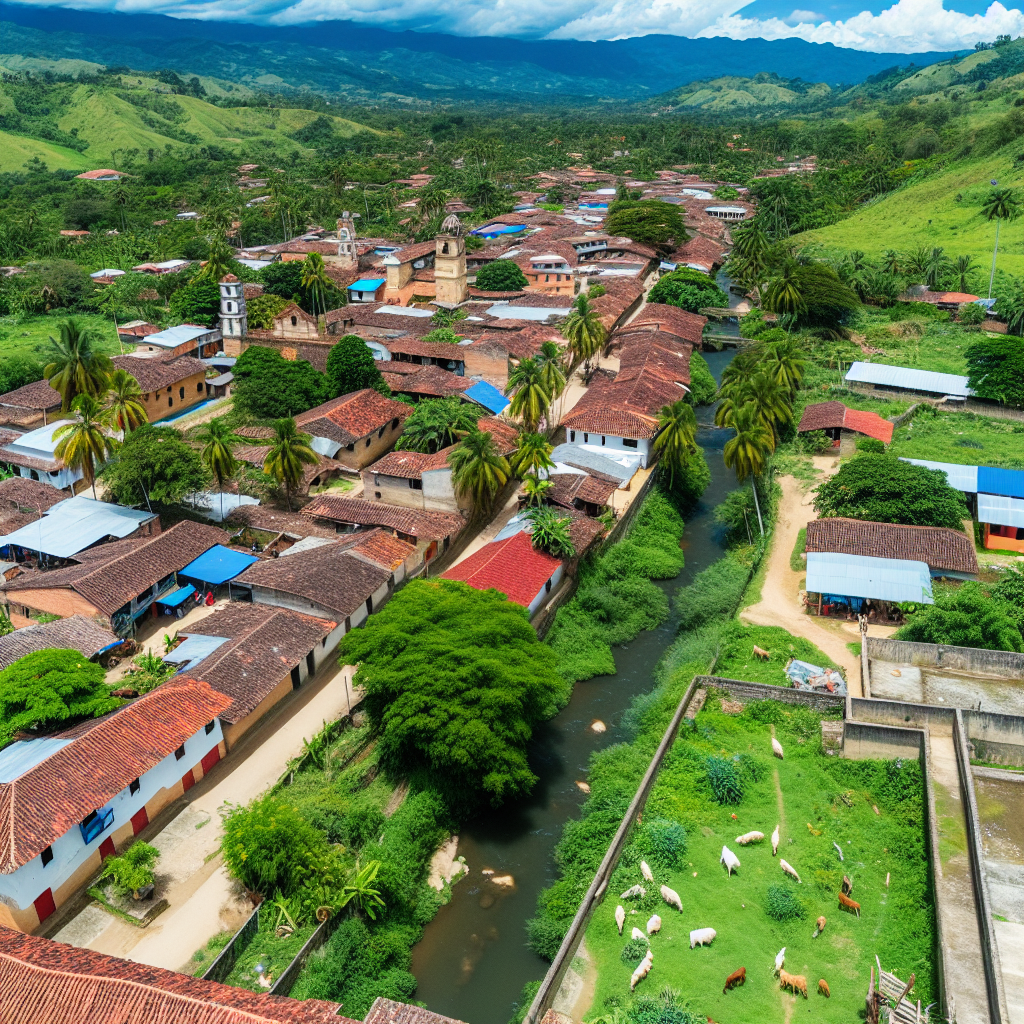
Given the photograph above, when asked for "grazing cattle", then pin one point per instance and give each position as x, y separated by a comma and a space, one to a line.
633, 892
823, 988
736, 978
797, 983
788, 868
780, 959
847, 904
729, 859
702, 937
760, 652
645, 870
642, 970
775, 841
620, 917
637, 934
819, 927
749, 837
847, 885
777, 749
671, 897
653, 924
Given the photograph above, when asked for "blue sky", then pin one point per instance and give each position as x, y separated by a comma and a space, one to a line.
904, 26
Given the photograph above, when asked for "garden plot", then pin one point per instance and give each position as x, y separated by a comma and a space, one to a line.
721, 781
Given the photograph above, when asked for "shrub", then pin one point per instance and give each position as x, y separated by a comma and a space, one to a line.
133, 870
261, 310
350, 367
871, 444
715, 591
965, 617
816, 442
501, 276
781, 905
634, 951
971, 314
268, 386
724, 780
197, 303
665, 840
703, 389
544, 936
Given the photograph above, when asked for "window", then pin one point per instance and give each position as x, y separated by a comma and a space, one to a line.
394, 423
547, 277
416, 485
547, 586
46, 856
348, 623
586, 438
181, 392
350, 447
179, 753
210, 726
295, 321
368, 442
199, 388
134, 786
380, 433
376, 494
170, 403
572, 435
602, 440
629, 442
369, 606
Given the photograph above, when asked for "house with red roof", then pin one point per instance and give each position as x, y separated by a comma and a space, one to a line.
843, 425
69, 800
514, 566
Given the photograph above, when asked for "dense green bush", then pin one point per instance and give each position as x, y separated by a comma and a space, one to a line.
703, 389
781, 904
268, 386
634, 951
965, 616
500, 276
663, 840
871, 444
724, 780
714, 592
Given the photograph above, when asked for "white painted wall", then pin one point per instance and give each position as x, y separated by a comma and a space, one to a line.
546, 591
439, 491
22, 887
610, 447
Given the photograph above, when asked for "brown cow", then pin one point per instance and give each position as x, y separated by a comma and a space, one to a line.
823, 988
736, 978
796, 982
848, 904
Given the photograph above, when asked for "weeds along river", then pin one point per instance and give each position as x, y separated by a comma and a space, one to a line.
473, 961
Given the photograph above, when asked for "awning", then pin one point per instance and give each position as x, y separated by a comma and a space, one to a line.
176, 597
488, 396
218, 565
878, 579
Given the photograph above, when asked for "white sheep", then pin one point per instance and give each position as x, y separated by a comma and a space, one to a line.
645, 870
620, 917
632, 892
702, 937
788, 868
642, 970
775, 841
637, 934
671, 897
729, 859
780, 959
749, 837
777, 749
653, 924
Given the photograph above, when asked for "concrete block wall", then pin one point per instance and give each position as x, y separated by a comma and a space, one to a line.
963, 659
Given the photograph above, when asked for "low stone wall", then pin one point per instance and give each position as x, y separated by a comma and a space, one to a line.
764, 691
996, 738
228, 956
958, 659
865, 741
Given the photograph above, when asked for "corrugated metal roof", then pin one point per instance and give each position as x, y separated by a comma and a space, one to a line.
1008, 482
488, 396
366, 286
961, 478
195, 648
999, 510
880, 579
616, 464
218, 565
911, 380
75, 524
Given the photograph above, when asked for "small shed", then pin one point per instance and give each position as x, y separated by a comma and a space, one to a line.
1002, 522
367, 291
860, 584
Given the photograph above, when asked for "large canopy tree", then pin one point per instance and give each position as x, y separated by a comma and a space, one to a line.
154, 464
455, 680
965, 617
269, 386
648, 221
350, 367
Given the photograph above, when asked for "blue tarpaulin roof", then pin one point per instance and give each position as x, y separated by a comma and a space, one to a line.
488, 396
1007, 482
366, 286
176, 597
880, 579
218, 565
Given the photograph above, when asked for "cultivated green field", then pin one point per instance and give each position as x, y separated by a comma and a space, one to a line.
816, 800
29, 337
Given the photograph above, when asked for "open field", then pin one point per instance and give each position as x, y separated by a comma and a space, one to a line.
817, 801
736, 661
29, 338
17, 150
961, 438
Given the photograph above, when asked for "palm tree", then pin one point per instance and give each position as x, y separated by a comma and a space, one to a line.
76, 366
784, 362
536, 489
747, 453
82, 444
1010, 306
936, 267
479, 471
550, 531
770, 399
892, 262
783, 294
217, 439
314, 280
677, 433
532, 455
124, 411
963, 267
530, 398
552, 373
218, 263
583, 329
1000, 204
289, 452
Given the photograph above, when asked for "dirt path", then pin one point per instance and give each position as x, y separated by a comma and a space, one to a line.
780, 594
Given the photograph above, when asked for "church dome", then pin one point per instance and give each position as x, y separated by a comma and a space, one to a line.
451, 225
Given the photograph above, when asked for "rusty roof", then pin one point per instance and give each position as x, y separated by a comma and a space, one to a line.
409, 521
351, 417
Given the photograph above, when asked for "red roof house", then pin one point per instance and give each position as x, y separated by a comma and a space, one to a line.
834, 417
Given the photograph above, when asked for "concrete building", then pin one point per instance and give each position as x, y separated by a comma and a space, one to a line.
183, 340
233, 320
168, 386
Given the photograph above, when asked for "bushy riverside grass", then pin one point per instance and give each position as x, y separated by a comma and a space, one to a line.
807, 788
736, 659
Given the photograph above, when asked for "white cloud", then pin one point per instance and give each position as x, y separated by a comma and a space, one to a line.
909, 26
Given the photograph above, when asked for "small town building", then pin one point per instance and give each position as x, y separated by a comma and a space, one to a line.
945, 552
234, 321
76, 633
69, 800
844, 425
1002, 522
214, 569
103, 174
167, 266
588, 491
450, 274
23, 501
354, 429
183, 340
927, 383
410, 272
29, 406
425, 382
367, 290
135, 330
168, 386
844, 584
31, 455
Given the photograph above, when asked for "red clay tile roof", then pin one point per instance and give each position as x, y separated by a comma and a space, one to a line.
427, 349
583, 531
256, 433
264, 643
409, 465
513, 566
351, 417
256, 455
47, 982
379, 547
38, 395
685, 325
410, 253
153, 374
940, 548
115, 573
76, 633
41, 805
435, 382
701, 250
411, 522
831, 415
386, 1011
292, 524
366, 315
504, 435
568, 487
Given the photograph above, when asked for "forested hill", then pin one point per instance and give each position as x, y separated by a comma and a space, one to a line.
363, 64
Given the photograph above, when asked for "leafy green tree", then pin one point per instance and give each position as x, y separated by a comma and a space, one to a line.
17, 371
133, 870
437, 423
748, 451
315, 282
999, 205
269, 386
552, 371
197, 303
530, 398
883, 489
583, 330
49, 689
964, 617
261, 310
350, 367
455, 681
283, 279
995, 370
479, 471
680, 288
219, 263
676, 438
532, 455
828, 303
703, 389
125, 410
217, 439
83, 444
501, 276
443, 336
289, 451
647, 221
76, 365
551, 531
154, 464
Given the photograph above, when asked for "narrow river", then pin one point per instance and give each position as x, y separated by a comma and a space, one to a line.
473, 959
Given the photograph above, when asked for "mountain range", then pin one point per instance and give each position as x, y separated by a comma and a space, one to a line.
361, 64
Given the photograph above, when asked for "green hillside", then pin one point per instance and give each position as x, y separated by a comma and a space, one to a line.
730, 93
17, 150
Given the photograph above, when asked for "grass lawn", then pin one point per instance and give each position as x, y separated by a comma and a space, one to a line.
29, 336
817, 800
271, 952
961, 438
796, 562
736, 660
